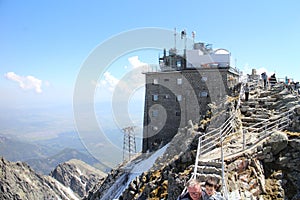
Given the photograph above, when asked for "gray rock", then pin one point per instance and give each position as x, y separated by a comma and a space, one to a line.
19, 181
295, 143
75, 174
278, 141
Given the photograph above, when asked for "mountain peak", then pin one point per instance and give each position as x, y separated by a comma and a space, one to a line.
78, 176
19, 181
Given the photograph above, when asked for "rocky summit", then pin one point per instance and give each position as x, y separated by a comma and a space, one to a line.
78, 176
18, 181
252, 147
259, 152
68, 181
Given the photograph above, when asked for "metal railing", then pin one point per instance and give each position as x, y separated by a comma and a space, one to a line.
265, 128
215, 138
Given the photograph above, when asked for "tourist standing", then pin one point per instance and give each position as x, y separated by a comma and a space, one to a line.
273, 80
264, 77
246, 90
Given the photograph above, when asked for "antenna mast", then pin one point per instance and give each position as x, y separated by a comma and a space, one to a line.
175, 34
193, 36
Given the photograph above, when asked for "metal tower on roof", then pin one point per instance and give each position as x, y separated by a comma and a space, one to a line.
129, 145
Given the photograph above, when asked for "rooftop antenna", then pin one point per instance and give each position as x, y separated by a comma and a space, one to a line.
129, 146
235, 61
183, 36
175, 34
193, 36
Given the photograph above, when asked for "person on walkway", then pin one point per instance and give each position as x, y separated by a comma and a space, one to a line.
264, 77
211, 185
194, 191
246, 90
273, 80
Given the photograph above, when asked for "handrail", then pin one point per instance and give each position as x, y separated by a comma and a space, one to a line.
264, 122
267, 127
208, 140
197, 158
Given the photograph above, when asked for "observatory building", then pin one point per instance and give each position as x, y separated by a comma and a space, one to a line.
182, 89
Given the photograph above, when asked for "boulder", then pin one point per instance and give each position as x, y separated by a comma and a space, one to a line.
278, 141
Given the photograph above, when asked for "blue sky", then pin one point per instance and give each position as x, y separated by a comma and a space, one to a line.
43, 44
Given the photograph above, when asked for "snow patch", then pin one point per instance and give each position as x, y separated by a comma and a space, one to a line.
66, 191
135, 169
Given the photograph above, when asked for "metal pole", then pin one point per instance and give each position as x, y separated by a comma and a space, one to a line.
197, 157
223, 170
244, 139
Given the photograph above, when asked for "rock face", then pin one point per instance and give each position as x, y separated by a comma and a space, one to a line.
277, 141
18, 181
268, 167
283, 166
46, 165
268, 170
272, 171
78, 176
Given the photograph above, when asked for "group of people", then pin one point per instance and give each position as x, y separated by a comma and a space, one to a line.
272, 80
293, 86
196, 192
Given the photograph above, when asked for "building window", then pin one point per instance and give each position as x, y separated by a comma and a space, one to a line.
155, 81
178, 63
154, 113
177, 113
155, 97
154, 128
166, 79
179, 97
203, 94
179, 81
204, 79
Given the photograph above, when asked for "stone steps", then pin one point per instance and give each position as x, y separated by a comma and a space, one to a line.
210, 164
253, 119
264, 99
211, 168
259, 109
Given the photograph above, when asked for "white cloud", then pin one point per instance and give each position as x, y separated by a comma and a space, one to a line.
109, 81
135, 62
248, 70
93, 82
26, 82
262, 69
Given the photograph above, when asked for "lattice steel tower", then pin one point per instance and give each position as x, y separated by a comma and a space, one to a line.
129, 145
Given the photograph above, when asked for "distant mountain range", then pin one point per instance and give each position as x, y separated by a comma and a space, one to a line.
68, 181
46, 165
17, 150
44, 156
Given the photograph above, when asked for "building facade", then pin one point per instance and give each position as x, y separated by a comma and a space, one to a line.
182, 90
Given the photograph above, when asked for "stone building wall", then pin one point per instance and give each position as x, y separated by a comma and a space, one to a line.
174, 97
